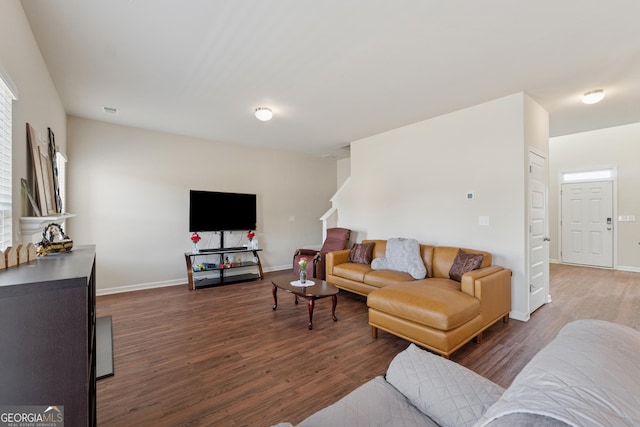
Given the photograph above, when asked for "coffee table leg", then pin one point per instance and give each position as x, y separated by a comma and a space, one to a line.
334, 299
275, 297
312, 303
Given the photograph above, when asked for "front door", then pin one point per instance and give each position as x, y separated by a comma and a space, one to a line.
587, 223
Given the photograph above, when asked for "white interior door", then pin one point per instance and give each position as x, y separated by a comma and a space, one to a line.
538, 226
587, 223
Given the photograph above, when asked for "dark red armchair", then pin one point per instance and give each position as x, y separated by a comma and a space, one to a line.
337, 239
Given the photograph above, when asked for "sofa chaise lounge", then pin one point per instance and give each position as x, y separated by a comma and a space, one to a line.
436, 312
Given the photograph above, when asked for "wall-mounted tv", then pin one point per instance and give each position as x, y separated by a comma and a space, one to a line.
217, 211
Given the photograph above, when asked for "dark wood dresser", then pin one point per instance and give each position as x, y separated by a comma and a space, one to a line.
47, 334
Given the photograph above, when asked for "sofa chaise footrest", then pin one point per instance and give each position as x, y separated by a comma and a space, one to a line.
427, 305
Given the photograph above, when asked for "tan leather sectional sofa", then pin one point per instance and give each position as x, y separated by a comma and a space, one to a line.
436, 312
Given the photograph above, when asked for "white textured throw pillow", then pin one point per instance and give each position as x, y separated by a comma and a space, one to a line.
448, 393
402, 255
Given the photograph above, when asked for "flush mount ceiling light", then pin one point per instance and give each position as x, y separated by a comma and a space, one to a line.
593, 96
264, 114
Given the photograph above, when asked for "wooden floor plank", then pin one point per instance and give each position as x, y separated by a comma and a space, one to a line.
222, 356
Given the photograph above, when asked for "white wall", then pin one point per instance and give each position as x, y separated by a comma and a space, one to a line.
344, 170
38, 103
412, 182
617, 147
130, 187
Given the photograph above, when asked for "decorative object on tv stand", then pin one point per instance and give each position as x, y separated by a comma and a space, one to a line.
250, 235
195, 238
54, 240
303, 270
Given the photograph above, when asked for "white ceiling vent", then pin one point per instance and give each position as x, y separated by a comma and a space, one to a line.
110, 110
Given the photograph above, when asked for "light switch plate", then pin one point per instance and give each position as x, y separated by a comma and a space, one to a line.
483, 220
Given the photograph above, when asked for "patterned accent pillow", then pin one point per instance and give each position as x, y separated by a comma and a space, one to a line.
463, 263
361, 253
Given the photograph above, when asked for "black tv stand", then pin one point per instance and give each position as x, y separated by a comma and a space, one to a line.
213, 274
231, 248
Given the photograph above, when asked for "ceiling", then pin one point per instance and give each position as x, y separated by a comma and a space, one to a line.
335, 71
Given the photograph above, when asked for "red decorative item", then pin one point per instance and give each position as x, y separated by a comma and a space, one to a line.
251, 235
195, 238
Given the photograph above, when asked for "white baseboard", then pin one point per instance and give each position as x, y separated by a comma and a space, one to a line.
619, 267
518, 315
631, 269
141, 286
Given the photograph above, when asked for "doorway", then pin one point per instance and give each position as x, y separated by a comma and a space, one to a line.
587, 223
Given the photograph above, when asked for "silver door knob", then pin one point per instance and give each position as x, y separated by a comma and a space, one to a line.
546, 239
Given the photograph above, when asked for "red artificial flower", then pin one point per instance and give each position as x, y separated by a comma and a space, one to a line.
195, 237
251, 235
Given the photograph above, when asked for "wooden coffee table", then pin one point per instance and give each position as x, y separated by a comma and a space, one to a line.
320, 289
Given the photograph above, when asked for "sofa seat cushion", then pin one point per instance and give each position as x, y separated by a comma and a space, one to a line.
432, 306
381, 278
351, 271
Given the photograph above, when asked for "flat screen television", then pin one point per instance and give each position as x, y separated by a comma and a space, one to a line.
217, 211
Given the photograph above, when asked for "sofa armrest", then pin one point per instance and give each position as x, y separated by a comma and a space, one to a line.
335, 258
492, 286
468, 281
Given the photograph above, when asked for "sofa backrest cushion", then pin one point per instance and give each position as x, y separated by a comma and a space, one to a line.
443, 257
426, 252
448, 393
587, 376
437, 259
379, 248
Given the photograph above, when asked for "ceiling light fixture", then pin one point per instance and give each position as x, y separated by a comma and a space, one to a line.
264, 114
593, 96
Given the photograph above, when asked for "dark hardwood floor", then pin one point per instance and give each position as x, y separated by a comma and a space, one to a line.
221, 357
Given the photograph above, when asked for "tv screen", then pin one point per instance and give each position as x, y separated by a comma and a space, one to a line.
216, 211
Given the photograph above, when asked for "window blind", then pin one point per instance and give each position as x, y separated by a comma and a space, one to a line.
6, 98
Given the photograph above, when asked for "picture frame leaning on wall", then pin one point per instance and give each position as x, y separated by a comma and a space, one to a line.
36, 164
53, 150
